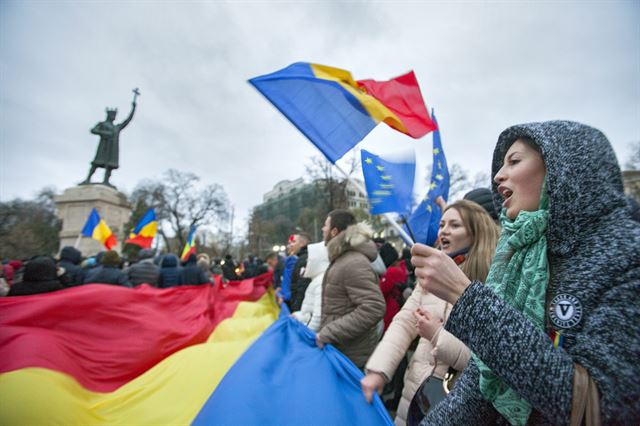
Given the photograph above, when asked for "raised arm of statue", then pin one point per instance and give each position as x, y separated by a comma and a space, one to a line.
128, 119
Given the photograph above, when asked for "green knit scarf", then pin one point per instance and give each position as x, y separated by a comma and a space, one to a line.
519, 275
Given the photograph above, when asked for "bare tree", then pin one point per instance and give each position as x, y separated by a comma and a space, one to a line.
181, 203
329, 181
29, 227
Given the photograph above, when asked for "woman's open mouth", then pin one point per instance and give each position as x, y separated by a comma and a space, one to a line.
506, 193
444, 243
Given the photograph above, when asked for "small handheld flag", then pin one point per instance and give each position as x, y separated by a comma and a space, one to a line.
335, 112
97, 229
389, 184
190, 246
425, 219
145, 231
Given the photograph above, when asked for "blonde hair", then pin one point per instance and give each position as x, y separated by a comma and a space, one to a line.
484, 235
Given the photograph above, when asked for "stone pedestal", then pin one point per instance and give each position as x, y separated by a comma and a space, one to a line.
74, 206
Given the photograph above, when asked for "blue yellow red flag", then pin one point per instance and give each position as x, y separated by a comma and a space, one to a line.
425, 219
190, 245
335, 112
389, 183
208, 354
145, 231
97, 229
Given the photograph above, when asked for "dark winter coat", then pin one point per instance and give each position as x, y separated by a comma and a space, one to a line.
299, 283
25, 288
352, 303
592, 294
192, 274
40, 276
70, 258
144, 272
169, 272
107, 274
277, 273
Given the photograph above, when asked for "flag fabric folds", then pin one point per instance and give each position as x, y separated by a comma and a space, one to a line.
97, 229
425, 219
145, 230
190, 245
335, 112
389, 184
164, 356
319, 386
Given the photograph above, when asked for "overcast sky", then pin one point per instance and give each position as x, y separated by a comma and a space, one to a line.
482, 66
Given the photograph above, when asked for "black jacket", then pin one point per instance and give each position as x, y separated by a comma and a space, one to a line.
169, 272
107, 274
144, 272
299, 284
192, 274
70, 258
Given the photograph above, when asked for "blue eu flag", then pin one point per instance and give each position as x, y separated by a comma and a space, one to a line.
425, 219
389, 184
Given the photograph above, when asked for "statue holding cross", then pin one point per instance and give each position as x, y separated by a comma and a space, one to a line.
108, 148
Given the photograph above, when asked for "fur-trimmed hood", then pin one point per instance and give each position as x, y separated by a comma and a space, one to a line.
356, 237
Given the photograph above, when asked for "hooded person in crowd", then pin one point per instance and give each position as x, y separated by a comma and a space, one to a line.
170, 275
144, 271
70, 258
191, 273
109, 271
310, 312
559, 309
40, 276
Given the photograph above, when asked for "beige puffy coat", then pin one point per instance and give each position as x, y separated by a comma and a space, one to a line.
352, 303
430, 358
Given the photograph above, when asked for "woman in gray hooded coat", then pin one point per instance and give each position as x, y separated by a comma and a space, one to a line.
562, 293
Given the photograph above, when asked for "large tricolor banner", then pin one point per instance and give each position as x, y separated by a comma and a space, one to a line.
210, 354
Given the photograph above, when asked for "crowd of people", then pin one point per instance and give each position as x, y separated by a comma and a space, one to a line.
43, 274
526, 310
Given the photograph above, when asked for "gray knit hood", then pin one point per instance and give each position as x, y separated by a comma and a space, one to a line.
570, 149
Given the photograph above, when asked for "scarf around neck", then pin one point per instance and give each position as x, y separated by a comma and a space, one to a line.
519, 275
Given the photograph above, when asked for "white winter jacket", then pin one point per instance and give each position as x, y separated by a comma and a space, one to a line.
310, 312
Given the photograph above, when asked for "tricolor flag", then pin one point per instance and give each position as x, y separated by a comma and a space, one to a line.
425, 219
389, 183
207, 354
190, 245
97, 229
145, 231
335, 112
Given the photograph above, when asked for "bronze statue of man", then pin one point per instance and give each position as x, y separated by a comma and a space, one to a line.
108, 149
